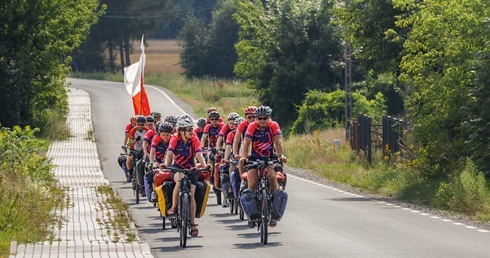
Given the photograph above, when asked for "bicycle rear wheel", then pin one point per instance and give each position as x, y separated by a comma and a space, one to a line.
264, 226
137, 193
184, 217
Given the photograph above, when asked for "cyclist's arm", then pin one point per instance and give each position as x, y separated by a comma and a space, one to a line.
236, 141
278, 147
246, 146
152, 154
126, 136
227, 152
219, 142
169, 157
200, 159
145, 148
203, 140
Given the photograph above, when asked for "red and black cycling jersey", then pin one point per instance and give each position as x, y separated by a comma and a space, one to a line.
149, 137
160, 148
230, 137
184, 153
198, 132
213, 133
262, 140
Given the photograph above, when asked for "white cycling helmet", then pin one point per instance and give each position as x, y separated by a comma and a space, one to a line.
185, 122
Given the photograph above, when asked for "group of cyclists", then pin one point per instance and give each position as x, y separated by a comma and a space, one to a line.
176, 142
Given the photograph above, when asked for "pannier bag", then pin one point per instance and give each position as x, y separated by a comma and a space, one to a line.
225, 181
140, 171
164, 192
122, 160
235, 182
249, 204
148, 188
279, 201
162, 176
201, 196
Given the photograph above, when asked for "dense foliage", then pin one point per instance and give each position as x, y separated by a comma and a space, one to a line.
446, 64
321, 110
209, 50
35, 38
287, 48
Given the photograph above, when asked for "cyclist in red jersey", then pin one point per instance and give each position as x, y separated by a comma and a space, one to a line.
201, 123
211, 131
183, 148
150, 124
240, 131
135, 142
159, 146
264, 138
211, 109
227, 128
131, 125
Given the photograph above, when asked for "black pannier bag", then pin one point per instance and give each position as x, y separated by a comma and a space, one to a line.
279, 201
249, 204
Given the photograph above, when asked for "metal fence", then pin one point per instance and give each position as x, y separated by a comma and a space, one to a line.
365, 136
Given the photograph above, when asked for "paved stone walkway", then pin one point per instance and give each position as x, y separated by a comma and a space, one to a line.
87, 229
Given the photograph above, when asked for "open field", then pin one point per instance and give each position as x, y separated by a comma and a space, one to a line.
162, 56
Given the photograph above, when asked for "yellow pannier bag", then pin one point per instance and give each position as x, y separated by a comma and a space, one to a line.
162, 203
201, 196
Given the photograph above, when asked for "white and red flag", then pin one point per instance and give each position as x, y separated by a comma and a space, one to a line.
134, 81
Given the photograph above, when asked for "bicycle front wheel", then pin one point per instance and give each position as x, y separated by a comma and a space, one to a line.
265, 217
184, 218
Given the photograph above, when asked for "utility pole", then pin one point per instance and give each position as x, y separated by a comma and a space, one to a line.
348, 83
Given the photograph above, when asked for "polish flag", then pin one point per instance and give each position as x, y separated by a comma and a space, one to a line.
134, 81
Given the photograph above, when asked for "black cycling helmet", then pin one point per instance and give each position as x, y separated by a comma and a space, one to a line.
156, 114
171, 119
165, 128
140, 120
150, 119
201, 121
213, 114
263, 111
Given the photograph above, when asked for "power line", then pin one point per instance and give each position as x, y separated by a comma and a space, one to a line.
161, 15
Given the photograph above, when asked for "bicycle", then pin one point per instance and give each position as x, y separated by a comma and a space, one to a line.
182, 217
263, 196
135, 176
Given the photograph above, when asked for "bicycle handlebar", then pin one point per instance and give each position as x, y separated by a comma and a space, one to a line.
186, 171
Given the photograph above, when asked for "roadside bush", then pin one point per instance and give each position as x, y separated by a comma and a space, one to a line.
28, 191
467, 192
321, 110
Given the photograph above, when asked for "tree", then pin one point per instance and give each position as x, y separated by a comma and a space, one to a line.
369, 26
35, 39
287, 48
446, 62
210, 50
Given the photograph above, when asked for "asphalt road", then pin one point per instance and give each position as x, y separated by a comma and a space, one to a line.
320, 221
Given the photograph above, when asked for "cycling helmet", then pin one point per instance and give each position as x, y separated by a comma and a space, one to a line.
249, 110
263, 111
185, 122
184, 116
239, 120
213, 114
165, 128
211, 109
140, 120
133, 120
171, 119
156, 114
233, 116
201, 121
150, 119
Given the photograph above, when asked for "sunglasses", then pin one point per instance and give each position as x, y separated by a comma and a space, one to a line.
141, 124
262, 118
250, 117
213, 119
188, 129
